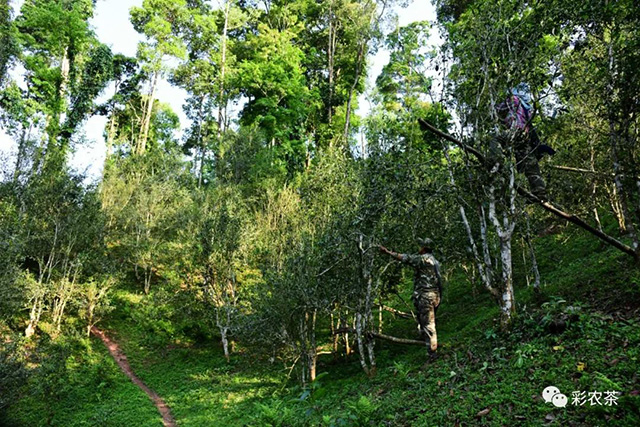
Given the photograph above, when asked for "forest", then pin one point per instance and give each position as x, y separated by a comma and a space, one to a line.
232, 268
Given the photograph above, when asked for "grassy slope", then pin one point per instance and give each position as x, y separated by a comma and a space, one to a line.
479, 367
94, 393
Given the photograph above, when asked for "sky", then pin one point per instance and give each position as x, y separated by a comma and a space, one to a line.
112, 27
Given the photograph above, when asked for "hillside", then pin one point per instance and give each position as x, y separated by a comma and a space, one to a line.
319, 212
581, 334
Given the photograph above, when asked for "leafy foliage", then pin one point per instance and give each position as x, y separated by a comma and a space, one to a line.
258, 225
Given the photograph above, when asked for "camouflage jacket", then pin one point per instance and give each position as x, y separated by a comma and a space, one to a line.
426, 272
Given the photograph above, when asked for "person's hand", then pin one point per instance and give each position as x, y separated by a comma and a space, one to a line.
383, 249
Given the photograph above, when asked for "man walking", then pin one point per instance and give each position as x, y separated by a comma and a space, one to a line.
427, 287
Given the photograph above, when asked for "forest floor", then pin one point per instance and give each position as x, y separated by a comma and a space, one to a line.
581, 333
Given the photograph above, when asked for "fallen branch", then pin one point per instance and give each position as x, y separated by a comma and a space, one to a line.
545, 204
382, 337
397, 340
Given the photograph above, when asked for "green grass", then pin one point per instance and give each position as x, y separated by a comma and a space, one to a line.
88, 390
196, 381
590, 289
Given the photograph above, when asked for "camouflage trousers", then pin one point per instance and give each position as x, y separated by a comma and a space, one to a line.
426, 303
527, 163
525, 147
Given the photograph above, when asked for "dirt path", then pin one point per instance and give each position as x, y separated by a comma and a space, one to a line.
121, 360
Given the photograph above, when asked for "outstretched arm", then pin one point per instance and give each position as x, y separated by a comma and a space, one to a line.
399, 257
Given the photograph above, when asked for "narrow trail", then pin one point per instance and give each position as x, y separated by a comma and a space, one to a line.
121, 360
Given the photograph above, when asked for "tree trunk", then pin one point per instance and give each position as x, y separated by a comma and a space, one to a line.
111, 134
505, 233
146, 117
90, 310
313, 350
534, 260
614, 202
201, 146
225, 342
223, 61
360, 342
508, 300
147, 280
360, 58
614, 136
484, 269
364, 316
335, 325
621, 190
331, 49
34, 317
345, 337
594, 186
307, 349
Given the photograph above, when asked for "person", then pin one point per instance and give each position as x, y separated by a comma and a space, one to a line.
427, 288
515, 114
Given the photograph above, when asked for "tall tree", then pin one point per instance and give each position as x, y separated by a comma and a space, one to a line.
161, 22
8, 47
66, 69
209, 76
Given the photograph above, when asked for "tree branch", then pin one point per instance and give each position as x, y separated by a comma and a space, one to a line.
585, 171
579, 222
398, 313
